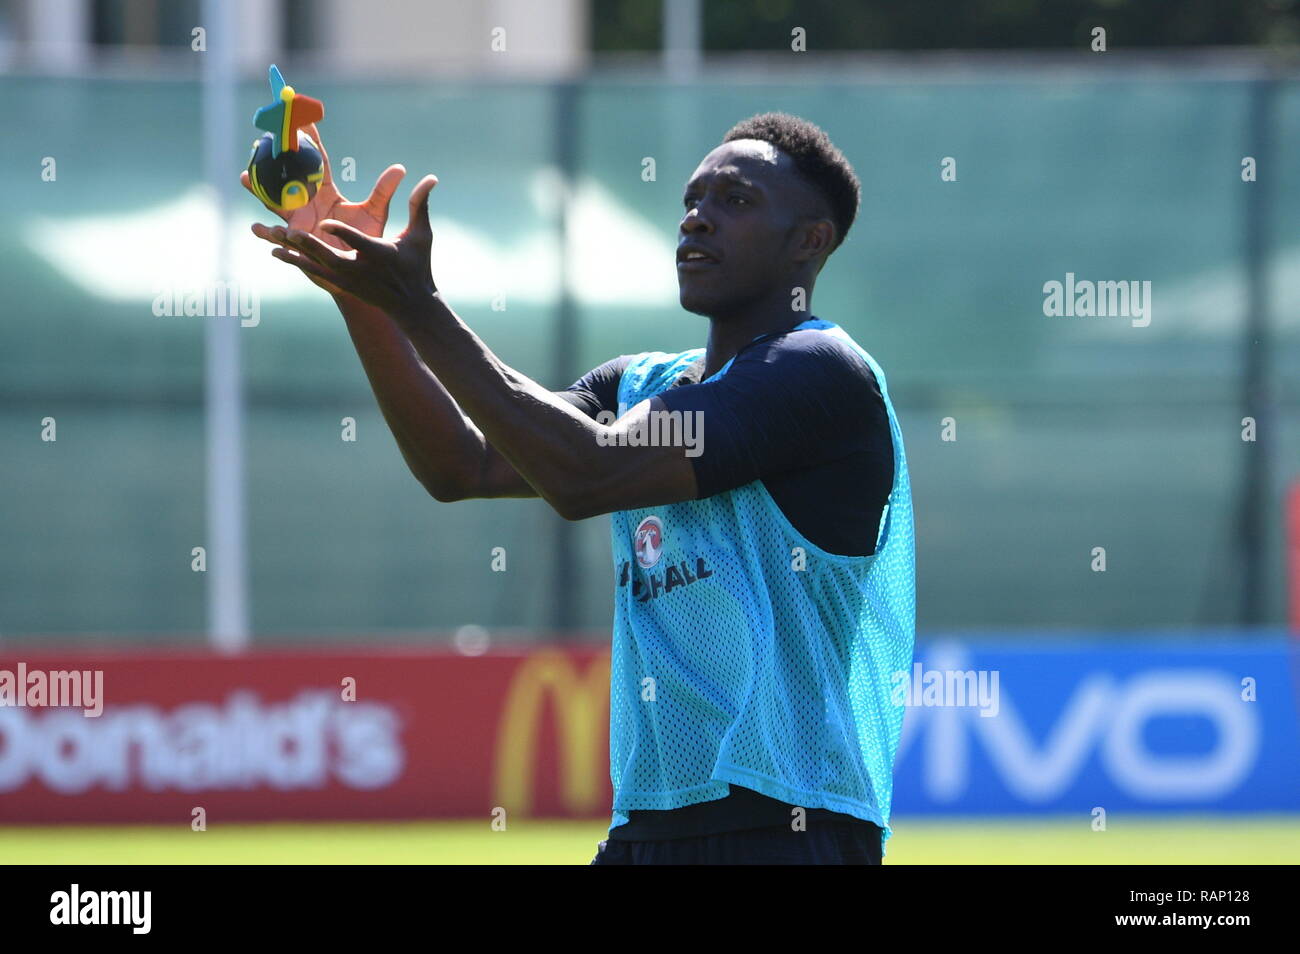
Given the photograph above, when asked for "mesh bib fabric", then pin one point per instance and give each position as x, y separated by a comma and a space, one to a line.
731, 664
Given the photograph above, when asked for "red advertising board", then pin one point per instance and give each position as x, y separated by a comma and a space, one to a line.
266, 736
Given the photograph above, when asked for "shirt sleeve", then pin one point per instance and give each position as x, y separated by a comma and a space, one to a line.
597, 390
797, 401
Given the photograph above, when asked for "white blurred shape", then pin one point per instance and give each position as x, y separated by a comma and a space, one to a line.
617, 257
471, 640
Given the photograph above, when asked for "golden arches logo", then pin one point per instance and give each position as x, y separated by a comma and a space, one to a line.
581, 705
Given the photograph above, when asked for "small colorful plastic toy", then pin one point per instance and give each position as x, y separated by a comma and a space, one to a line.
286, 167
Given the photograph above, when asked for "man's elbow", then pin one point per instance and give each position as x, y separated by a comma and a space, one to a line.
580, 503
570, 508
442, 490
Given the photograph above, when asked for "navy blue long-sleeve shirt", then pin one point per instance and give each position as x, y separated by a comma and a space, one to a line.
800, 411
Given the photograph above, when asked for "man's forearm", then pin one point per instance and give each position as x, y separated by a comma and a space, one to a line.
548, 441
443, 449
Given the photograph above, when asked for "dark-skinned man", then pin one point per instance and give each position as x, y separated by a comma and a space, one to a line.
764, 577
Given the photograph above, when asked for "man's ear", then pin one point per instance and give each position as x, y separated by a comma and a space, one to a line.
817, 238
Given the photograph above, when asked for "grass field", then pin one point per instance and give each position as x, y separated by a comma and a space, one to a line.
1142, 840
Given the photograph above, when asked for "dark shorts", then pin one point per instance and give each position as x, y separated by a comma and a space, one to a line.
833, 843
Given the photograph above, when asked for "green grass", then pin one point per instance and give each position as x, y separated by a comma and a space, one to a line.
1128, 840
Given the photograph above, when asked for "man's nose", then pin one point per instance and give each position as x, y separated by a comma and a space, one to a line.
693, 222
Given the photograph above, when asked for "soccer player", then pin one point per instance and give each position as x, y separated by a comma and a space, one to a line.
764, 576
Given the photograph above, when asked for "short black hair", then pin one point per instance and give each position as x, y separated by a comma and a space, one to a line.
815, 156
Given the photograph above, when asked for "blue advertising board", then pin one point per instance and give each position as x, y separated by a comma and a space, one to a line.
1185, 725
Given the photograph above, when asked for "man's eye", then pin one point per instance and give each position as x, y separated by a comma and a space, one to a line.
688, 200
739, 198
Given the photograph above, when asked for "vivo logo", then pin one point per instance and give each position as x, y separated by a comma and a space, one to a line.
1104, 716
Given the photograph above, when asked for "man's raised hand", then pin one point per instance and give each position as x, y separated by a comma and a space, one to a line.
368, 217
393, 276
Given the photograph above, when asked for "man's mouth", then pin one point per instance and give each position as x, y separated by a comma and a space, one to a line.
693, 258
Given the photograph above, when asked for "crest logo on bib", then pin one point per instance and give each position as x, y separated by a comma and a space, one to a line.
648, 542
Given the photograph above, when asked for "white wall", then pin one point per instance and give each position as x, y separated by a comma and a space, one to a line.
542, 37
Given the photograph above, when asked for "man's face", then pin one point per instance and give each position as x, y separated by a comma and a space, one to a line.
743, 205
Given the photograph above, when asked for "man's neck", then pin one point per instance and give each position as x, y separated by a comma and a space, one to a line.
728, 336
